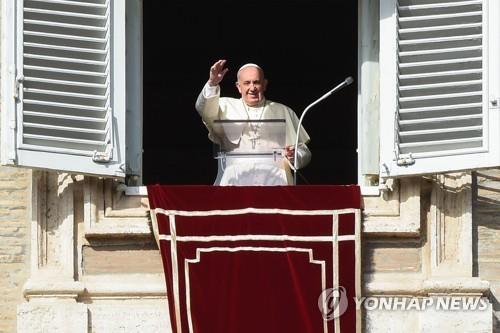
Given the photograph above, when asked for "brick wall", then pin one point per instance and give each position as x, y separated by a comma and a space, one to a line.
14, 242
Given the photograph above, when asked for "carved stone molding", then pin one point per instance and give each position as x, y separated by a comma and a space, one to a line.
108, 212
450, 225
53, 249
396, 212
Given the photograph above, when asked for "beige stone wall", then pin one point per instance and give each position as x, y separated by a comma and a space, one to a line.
14, 242
95, 262
487, 233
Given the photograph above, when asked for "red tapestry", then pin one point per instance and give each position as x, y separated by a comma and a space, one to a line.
260, 259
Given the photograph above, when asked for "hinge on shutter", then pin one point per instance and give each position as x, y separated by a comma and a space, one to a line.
17, 87
405, 159
103, 156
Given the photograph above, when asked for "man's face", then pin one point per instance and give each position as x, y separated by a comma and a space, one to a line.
251, 85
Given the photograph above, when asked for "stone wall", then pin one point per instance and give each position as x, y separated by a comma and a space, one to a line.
486, 233
419, 244
96, 267
14, 242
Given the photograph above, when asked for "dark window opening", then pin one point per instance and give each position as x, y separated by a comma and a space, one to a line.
305, 48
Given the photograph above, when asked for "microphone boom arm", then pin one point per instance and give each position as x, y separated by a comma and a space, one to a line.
341, 85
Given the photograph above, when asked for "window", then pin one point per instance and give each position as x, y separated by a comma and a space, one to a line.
438, 86
295, 50
63, 85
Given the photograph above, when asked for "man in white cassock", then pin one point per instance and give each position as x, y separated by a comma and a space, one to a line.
252, 106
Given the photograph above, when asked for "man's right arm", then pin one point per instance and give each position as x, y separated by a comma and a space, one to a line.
207, 103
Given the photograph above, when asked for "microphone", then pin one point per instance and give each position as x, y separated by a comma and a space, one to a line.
348, 80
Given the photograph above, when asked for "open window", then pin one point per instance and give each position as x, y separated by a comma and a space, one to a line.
306, 49
439, 90
63, 85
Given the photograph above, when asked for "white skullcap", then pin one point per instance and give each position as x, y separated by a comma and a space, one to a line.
249, 65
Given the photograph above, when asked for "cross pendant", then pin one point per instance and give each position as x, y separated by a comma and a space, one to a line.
254, 139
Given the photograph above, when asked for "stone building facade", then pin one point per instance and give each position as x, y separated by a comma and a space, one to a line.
77, 254
81, 255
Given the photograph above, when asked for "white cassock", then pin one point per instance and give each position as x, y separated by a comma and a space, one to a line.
251, 171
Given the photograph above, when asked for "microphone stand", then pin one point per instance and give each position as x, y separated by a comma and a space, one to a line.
343, 84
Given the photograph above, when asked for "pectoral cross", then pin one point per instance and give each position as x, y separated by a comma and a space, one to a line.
254, 138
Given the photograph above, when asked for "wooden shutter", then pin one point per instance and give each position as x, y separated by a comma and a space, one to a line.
435, 91
69, 85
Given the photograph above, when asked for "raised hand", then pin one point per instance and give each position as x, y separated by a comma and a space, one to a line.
217, 72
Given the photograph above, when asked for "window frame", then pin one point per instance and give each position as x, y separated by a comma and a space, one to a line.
126, 97
447, 162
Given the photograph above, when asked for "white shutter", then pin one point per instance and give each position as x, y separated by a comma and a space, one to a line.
70, 86
435, 86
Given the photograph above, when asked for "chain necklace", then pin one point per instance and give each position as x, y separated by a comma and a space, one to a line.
254, 128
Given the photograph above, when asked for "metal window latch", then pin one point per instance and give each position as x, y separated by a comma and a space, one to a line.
17, 86
103, 156
405, 159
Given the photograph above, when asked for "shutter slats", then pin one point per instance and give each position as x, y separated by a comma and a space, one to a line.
441, 145
55, 116
442, 96
65, 82
438, 120
436, 29
62, 140
431, 20
65, 25
442, 5
438, 51
53, 48
448, 64
440, 39
440, 108
68, 71
73, 60
65, 94
441, 85
440, 81
64, 128
413, 122
439, 74
66, 90
441, 88
441, 131
77, 107
71, 3
66, 37
64, 13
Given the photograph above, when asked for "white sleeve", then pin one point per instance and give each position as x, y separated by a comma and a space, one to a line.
207, 103
210, 91
303, 155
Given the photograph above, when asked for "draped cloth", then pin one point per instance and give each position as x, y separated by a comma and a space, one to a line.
256, 259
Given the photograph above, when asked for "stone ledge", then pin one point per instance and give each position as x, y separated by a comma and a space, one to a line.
416, 285
119, 286
52, 288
